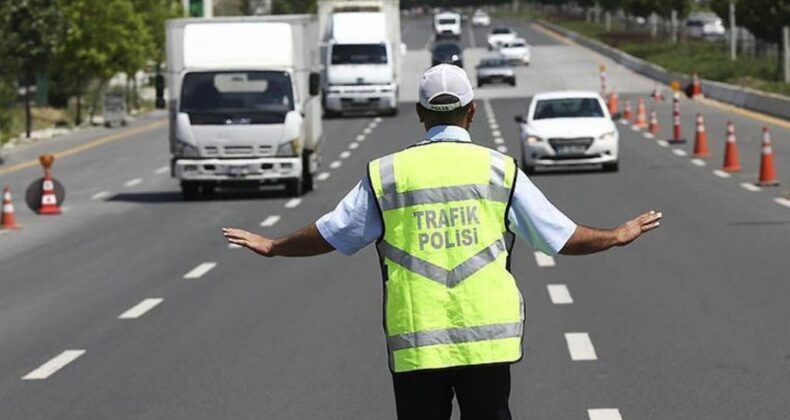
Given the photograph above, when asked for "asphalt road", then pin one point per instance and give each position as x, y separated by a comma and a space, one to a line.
689, 322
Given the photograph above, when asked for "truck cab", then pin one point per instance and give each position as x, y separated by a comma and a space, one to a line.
447, 25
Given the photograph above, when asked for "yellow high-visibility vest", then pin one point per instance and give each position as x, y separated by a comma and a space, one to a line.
449, 298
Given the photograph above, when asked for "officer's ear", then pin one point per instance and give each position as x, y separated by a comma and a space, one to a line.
420, 112
470, 114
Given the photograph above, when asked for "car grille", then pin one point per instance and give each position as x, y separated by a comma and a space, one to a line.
579, 141
237, 151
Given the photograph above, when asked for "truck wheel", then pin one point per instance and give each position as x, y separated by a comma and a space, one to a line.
294, 188
392, 112
611, 167
207, 189
307, 176
189, 190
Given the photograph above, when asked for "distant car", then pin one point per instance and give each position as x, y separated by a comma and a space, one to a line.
516, 51
495, 70
447, 25
568, 128
481, 18
707, 26
447, 53
500, 35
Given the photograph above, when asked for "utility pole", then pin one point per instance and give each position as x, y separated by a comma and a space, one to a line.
733, 33
674, 26
786, 51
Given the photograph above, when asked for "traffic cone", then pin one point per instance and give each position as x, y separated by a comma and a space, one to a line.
49, 201
731, 160
696, 86
654, 127
613, 106
767, 172
641, 115
627, 114
701, 139
676, 134
8, 219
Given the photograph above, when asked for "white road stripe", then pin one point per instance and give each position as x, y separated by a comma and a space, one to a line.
361, 137
635, 128
698, 162
679, 152
721, 174
624, 122
162, 170
499, 140
494, 126
133, 182
200, 270
604, 414
53, 365
663, 143
345, 154
141, 308
648, 135
353, 145
323, 176
544, 260
502, 149
293, 203
559, 294
580, 347
100, 195
367, 130
377, 120
748, 186
782, 201
336, 164
496, 133
270, 221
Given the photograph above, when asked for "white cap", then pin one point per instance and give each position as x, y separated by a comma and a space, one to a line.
445, 79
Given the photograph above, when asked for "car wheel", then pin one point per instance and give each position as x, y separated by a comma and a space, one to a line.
294, 187
611, 167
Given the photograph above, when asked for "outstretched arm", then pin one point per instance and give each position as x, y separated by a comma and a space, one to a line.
587, 240
304, 242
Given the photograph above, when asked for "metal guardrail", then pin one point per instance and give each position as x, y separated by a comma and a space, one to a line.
767, 103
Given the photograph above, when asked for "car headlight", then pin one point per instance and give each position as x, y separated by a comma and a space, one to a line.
186, 150
291, 148
533, 139
608, 136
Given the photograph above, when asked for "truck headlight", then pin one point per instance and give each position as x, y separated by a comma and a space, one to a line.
608, 136
534, 139
291, 148
186, 150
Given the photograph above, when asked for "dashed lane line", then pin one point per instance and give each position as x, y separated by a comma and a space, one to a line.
323, 176
499, 140
377, 120
494, 126
345, 154
100, 195
200, 270
502, 149
604, 414
270, 221
53, 365
679, 152
559, 294
544, 260
336, 164
141, 308
580, 347
698, 162
496, 133
648, 135
361, 137
367, 131
748, 186
133, 182
162, 170
721, 174
293, 203
353, 145
782, 201
663, 143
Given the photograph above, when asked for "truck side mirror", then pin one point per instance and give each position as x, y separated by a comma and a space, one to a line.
315, 84
159, 85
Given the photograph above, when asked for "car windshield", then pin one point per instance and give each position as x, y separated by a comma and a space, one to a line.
493, 62
359, 54
515, 45
567, 108
500, 31
447, 21
262, 97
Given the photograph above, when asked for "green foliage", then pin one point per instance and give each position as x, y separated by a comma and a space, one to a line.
281, 7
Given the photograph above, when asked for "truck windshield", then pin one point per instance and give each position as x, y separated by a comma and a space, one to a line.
567, 108
359, 54
446, 21
253, 97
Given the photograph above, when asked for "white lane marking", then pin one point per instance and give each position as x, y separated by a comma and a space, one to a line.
345, 154
293, 203
270, 221
721, 174
544, 260
141, 308
323, 176
100, 195
750, 187
624, 122
361, 137
494, 126
496, 133
53, 365
367, 130
133, 182
502, 149
559, 294
499, 140
200, 270
377, 120
635, 128
698, 162
580, 347
679, 152
782, 201
336, 164
663, 143
353, 145
234, 246
162, 170
604, 414
648, 135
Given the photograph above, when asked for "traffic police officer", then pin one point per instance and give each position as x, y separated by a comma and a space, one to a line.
443, 214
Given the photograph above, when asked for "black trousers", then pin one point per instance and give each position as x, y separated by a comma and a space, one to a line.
482, 393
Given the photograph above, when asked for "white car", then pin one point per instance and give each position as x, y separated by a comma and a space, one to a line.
447, 25
500, 35
516, 51
481, 18
568, 128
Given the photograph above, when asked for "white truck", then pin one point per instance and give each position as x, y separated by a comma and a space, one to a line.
363, 55
447, 25
243, 95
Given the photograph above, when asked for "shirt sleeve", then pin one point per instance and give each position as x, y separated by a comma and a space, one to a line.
535, 220
354, 223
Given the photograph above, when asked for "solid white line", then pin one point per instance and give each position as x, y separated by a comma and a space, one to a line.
162, 170
141, 308
270, 221
502, 149
361, 137
323, 176
353, 145
293, 203
663, 143
782, 201
133, 182
580, 347
345, 154
648, 135
679, 152
53, 365
200, 270
559, 294
544, 260
100, 195
750, 187
699, 162
499, 140
721, 174
496, 133
604, 414
336, 164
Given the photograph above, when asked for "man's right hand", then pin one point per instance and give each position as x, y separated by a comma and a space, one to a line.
256, 243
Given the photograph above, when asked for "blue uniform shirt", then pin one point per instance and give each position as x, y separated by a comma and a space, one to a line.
355, 222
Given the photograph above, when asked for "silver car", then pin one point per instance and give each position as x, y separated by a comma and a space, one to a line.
495, 70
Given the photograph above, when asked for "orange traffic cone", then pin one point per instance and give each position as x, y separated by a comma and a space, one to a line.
731, 160
49, 201
696, 86
641, 115
8, 219
654, 127
701, 139
613, 106
627, 114
767, 171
